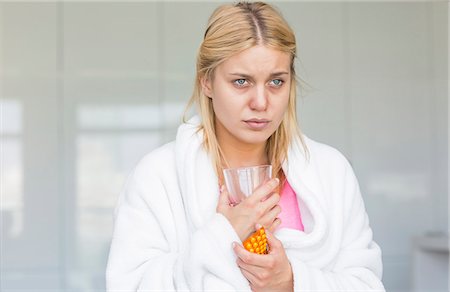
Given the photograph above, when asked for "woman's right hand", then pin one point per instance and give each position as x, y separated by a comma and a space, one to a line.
259, 208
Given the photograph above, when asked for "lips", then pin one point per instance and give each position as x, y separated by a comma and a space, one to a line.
257, 124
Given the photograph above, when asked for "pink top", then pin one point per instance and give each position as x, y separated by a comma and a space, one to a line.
290, 213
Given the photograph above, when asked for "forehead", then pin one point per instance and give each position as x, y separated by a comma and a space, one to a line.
257, 60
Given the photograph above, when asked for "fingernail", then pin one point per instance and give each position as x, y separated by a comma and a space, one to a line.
277, 180
233, 244
222, 188
258, 226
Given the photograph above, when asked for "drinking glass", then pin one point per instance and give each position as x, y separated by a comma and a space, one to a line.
242, 181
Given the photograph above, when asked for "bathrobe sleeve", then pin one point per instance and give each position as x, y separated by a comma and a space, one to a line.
357, 266
152, 250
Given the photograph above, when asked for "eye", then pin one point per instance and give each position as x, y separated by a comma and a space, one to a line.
240, 82
276, 82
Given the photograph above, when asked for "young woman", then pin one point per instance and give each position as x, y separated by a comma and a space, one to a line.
175, 228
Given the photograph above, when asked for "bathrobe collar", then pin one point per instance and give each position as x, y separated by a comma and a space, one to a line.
199, 184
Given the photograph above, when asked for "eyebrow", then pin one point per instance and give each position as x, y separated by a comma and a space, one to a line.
248, 76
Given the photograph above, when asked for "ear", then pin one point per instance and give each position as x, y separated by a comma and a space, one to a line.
206, 86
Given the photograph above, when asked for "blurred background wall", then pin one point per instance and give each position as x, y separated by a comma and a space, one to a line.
87, 88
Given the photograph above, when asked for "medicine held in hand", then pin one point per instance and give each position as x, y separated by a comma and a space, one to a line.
257, 242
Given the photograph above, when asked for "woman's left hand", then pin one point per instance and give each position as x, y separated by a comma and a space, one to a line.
267, 272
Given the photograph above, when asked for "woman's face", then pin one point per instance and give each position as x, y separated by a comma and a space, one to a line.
250, 94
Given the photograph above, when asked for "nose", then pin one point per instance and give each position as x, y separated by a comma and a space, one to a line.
259, 100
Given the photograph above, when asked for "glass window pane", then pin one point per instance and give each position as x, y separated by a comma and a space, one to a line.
104, 162
11, 115
94, 236
173, 112
11, 187
91, 117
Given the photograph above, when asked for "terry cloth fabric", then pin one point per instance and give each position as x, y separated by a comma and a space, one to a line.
168, 236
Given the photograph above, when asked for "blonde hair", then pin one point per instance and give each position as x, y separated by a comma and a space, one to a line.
231, 29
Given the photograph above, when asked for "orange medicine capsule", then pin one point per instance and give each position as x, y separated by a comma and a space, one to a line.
257, 242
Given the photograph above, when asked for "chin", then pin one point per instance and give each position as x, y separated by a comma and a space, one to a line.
256, 138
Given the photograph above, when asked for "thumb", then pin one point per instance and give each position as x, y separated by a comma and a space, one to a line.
223, 196
273, 242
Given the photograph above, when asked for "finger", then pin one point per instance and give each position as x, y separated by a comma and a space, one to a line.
275, 224
273, 242
242, 253
264, 190
271, 200
254, 270
255, 275
249, 257
223, 196
270, 216
263, 208
250, 277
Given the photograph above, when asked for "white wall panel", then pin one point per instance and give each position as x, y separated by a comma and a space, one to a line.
321, 41
391, 115
112, 97
110, 51
183, 26
393, 133
99, 84
439, 112
31, 258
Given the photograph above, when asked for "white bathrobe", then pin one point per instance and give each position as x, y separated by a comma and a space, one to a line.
168, 236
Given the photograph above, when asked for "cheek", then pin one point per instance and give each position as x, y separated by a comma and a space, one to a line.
282, 106
222, 107
226, 103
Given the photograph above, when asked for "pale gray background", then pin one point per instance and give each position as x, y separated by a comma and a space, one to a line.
88, 88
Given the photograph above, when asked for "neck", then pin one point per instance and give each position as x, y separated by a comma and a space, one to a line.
240, 154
